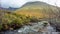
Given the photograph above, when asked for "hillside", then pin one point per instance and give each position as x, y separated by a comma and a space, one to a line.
30, 12
38, 9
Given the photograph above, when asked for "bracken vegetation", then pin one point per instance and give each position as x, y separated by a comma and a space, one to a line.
11, 21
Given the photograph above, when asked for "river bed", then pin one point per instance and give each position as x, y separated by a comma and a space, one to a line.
35, 28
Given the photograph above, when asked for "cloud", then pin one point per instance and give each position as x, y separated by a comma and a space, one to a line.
12, 3
19, 3
4, 3
15, 3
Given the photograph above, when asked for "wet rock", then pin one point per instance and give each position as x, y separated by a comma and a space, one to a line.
56, 26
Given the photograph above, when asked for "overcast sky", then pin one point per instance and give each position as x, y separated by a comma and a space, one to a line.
19, 3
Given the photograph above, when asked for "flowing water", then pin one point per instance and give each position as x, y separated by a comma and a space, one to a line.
35, 28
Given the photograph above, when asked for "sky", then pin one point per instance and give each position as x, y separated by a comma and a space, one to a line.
19, 3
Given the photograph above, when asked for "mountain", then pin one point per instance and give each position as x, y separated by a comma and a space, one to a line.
39, 9
10, 8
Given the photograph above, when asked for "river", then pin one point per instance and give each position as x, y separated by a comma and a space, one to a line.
35, 28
